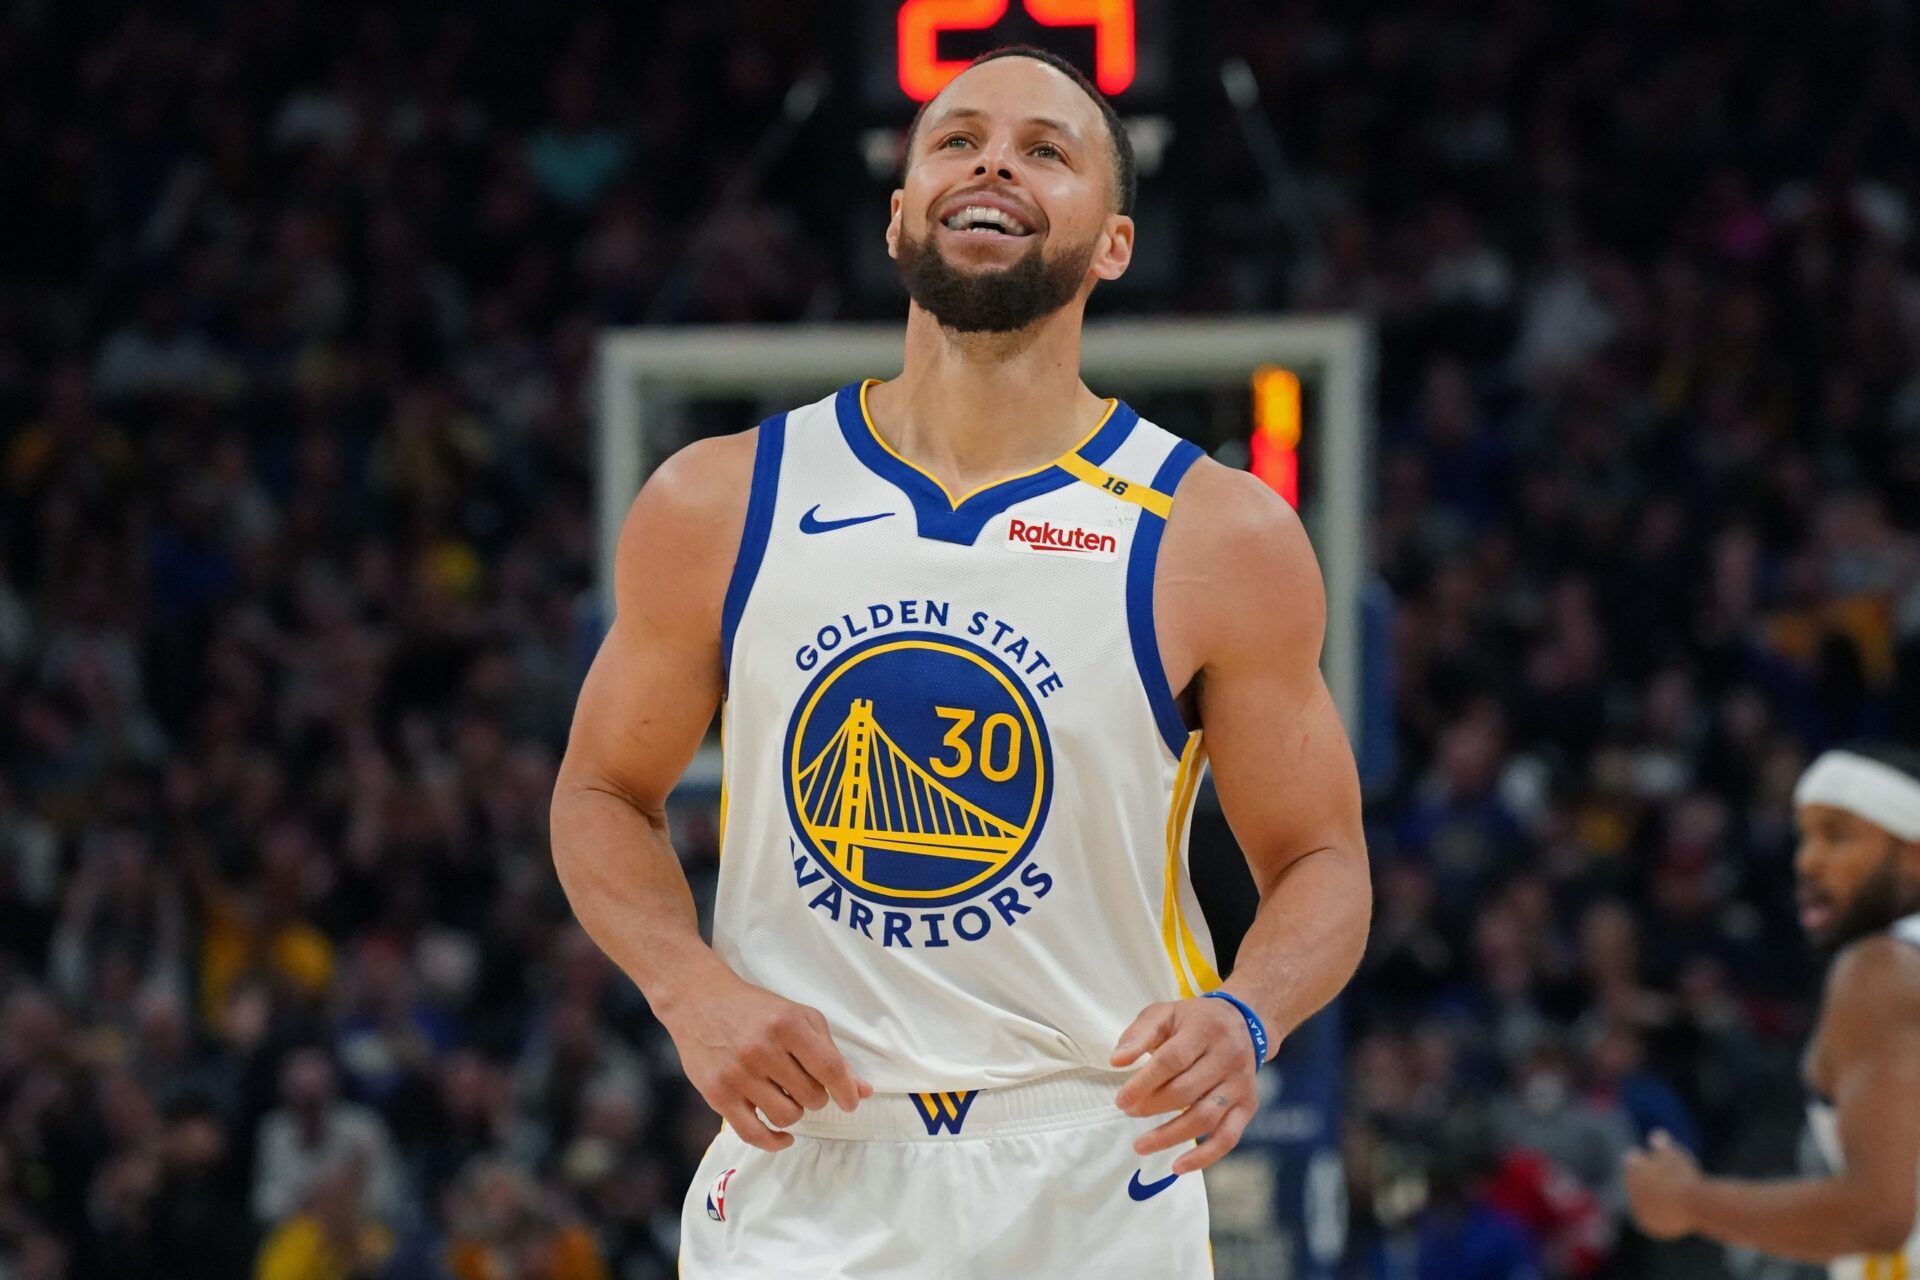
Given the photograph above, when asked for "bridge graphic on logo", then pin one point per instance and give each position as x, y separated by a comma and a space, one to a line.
861, 791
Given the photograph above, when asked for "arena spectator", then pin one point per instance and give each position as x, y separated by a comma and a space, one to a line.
502, 1225
332, 1236
314, 1135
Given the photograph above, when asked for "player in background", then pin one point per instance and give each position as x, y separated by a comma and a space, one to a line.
974, 634
1858, 813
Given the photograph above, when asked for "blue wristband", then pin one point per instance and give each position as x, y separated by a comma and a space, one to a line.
1255, 1028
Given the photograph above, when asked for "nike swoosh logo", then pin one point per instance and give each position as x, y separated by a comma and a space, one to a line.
812, 523
1148, 1190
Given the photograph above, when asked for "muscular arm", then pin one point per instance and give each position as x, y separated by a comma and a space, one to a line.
1870, 1033
642, 712
1281, 764
1241, 611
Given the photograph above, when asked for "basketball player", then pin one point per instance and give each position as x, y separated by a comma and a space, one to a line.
974, 634
1859, 869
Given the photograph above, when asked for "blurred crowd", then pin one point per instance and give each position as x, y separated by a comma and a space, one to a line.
296, 308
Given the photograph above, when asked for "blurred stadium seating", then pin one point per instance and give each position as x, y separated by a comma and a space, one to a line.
296, 304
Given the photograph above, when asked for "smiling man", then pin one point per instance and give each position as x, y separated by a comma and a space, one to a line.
975, 635
1859, 868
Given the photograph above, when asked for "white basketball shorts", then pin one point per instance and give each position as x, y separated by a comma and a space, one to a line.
1032, 1180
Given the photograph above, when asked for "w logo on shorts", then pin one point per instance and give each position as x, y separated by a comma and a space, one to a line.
946, 1111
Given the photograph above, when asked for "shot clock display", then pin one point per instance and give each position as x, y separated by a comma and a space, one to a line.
923, 72
911, 48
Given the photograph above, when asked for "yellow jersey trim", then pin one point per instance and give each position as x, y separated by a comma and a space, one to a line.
866, 416
1161, 504
1190, 965
721, 839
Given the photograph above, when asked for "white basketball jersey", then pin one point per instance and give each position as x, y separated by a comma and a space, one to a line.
957, 787
1823, 1123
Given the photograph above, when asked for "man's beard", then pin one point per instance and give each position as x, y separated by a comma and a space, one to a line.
995, 301
1877, 904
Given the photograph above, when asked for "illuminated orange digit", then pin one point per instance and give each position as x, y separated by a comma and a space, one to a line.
922, 73
1112, 23
1276, 430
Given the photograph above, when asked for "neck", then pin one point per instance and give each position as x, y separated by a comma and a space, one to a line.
973, 408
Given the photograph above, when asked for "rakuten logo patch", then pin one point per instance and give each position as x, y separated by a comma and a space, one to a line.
1047, 538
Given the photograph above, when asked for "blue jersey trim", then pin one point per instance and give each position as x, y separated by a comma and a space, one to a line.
934, 514
1141, 559
753, 538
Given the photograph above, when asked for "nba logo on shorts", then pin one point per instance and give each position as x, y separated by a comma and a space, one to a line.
717, 1196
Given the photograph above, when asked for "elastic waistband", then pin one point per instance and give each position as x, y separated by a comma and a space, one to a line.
1061, 1101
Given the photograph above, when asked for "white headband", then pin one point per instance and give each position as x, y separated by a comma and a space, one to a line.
1879, 793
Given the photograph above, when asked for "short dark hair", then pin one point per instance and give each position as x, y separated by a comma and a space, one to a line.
1126, 173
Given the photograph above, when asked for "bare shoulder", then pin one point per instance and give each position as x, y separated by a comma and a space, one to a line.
707, 480
1225, 512
1871, 1006
1236, 565
1875, 978
683, 530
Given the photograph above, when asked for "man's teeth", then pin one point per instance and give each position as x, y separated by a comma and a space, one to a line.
981, 217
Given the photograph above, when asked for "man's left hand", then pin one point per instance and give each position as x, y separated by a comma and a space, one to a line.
1660, 1179
1202, 1066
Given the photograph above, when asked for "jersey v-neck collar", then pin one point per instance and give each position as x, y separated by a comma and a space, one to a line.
937, 514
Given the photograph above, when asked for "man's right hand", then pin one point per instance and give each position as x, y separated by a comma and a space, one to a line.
644, 709
744, 1047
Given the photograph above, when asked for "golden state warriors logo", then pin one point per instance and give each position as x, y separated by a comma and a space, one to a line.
918, 775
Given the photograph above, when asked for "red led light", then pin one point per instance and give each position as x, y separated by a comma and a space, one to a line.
924, 73
1275, 448
1113, 43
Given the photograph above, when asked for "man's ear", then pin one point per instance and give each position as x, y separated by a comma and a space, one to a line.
893, 223
1115, 254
